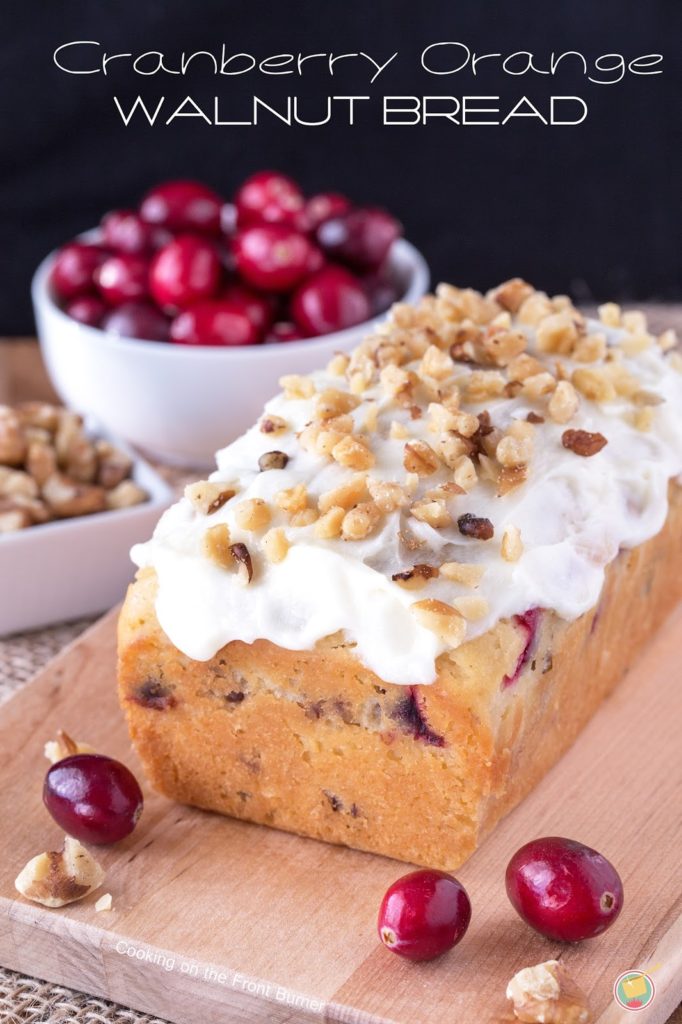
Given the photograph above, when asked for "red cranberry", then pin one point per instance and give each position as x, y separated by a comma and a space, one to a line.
125, 231
137, 320
88, 309
93, 798
424, 914
122, 278
565, 890
216, 322
269, 197
272, 257
316, 261
329, 301
259, 308
73, 271
284, 330
361, 238
323, 207
185, 271
183, 206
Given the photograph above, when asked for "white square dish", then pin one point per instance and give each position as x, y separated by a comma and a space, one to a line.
76, 567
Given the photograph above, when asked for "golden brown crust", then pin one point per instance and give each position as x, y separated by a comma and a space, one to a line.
314, 743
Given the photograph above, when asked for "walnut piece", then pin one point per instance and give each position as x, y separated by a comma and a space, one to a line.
208, 496
546, 994
475, 526
583, 442
272, 460
65, 746
67, 497
60, 877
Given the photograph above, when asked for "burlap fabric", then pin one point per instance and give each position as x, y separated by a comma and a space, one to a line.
26, 1000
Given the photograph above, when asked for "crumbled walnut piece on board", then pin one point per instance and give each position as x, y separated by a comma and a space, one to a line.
60, 877
546, 994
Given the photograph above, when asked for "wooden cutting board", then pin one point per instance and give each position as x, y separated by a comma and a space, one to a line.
216, 920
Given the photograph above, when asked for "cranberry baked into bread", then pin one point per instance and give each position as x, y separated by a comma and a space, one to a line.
406, 589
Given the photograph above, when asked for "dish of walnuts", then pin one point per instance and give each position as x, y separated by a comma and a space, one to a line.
50, 468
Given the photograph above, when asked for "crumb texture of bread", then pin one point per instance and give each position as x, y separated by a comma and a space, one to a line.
315, 743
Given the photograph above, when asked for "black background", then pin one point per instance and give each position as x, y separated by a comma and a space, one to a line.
592, 209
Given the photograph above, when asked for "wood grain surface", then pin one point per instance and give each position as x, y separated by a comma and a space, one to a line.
218, 920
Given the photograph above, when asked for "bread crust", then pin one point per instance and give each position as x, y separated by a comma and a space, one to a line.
314, 743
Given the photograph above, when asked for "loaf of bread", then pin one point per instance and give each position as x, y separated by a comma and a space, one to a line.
404, 592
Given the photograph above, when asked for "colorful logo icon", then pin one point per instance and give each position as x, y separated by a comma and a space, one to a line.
634, 990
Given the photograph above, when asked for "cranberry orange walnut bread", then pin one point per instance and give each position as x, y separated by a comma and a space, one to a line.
406, 589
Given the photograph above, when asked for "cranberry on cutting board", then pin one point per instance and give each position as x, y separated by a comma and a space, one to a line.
93, 798
423, 915
563, 889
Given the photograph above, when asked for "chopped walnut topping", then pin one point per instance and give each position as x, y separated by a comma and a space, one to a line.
539, 384
451, 448
558, 332
60, 877
353, 452
346, 495
583, 442
483, 384
534, 309
435, 363
328, 526
240, 554
471, 608
534, 417
442, 619
511, 547
331, 403
667, 340
609, 314
292, 499
395, 381
207, 496
590, 349
433, 511
216, 545
296, 386
386, 495
371, 422
516, 447
103, 903
420, 458
511, 294
634, 321
252, 514
338, 364
475, 526
500, 347
275, 545
465, 475
304, 517
466, 573
272, 460
361, 521
643, 418
416, 577
510, 477
593, 384
524, 366
273, 425
563, 404
398, 431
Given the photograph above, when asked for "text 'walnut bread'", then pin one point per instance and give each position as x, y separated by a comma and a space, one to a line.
406, 589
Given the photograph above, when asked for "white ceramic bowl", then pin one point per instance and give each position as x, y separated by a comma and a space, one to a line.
74, 567
180, 403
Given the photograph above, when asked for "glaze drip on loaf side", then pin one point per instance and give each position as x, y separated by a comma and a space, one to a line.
475, 458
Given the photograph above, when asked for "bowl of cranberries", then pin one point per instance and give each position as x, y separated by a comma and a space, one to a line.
172, 323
